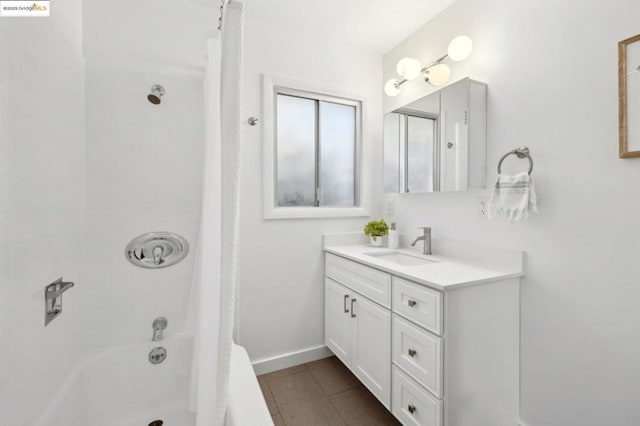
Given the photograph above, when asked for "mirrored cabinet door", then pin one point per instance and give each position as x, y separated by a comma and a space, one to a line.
438, 143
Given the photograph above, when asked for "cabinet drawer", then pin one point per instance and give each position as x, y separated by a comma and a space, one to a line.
419, 353
418, 303
411, 404
367, 281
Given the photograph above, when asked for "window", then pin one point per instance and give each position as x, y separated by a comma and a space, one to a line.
312, 152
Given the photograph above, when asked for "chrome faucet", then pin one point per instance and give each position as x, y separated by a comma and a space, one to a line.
427, 240
159, 324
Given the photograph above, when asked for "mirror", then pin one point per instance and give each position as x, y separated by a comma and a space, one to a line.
628, 95
438, 143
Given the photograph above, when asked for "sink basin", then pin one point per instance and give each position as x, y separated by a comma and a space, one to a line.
400, 258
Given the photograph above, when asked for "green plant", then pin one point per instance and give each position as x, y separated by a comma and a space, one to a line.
376, 228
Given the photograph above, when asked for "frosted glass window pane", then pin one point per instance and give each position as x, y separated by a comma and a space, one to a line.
337, 154
296, 151
420, 146
392, 152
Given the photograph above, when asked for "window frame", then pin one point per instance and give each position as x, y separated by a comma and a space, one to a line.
272, 86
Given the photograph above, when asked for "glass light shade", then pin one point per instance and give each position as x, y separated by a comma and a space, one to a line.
460, 48
390, 88
439, 74
409, 68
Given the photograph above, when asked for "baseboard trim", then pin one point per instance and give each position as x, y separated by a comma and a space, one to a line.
267, 365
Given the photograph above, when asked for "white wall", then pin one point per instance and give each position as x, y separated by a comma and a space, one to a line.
552, 74
42, 203
144, 161
281, 287
144, 173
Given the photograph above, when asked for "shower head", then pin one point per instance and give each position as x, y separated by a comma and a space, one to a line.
157, 92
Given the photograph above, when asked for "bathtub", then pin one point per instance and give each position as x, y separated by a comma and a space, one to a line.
120, 387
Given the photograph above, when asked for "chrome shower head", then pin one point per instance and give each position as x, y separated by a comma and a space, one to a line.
157, 92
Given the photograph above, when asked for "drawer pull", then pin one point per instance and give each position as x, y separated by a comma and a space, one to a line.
411, 303
346, 311
353, 313
412, 408
412, 353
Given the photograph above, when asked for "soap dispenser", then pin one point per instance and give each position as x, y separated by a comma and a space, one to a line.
393, 239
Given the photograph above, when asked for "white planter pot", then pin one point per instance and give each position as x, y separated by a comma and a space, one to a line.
377, 242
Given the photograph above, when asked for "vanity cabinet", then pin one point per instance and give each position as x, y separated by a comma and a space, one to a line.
432, 356
358, 332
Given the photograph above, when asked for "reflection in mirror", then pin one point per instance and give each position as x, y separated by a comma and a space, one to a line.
420, 149
438, 143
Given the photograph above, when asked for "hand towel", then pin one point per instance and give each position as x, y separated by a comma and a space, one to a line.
513, 197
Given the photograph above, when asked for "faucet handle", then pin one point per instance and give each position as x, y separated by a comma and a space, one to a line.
425, 228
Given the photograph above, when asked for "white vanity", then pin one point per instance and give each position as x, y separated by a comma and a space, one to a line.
434, 338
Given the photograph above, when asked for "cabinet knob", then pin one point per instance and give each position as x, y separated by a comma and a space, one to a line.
412, 353
412, 303
412, 408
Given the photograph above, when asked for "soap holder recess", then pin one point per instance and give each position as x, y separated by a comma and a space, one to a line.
53, 299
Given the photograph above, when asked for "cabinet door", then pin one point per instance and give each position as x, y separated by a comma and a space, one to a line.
337, 320
454, 154
371, 360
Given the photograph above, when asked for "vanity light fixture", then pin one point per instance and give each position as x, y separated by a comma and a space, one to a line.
436, 73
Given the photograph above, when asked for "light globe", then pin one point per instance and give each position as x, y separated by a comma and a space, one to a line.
439, 74
409, 68
460, 48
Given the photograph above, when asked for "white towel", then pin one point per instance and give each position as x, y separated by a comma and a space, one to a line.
513, 197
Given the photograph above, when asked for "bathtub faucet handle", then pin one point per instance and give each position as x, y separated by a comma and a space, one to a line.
157, 252
159, 325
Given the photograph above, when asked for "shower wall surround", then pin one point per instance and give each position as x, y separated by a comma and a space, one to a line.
548, 91
42, 204
144, 174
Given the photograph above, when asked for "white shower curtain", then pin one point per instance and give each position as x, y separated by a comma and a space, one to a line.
215, 274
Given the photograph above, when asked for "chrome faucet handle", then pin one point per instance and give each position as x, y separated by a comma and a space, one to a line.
157, 252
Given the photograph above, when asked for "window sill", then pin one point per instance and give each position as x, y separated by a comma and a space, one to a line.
314, 212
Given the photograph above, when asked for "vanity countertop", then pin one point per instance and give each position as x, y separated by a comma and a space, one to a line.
453, 264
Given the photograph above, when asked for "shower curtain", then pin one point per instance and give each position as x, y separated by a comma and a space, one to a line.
215, 273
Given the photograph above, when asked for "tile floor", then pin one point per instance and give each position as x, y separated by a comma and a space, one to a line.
322, 392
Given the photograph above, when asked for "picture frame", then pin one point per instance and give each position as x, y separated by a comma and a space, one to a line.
629, 97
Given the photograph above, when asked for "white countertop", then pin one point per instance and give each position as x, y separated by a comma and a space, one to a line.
454, 264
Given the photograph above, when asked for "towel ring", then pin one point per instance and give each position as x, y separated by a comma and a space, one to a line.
522, 152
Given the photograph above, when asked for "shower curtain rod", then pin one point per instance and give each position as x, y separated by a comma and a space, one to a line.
223, 4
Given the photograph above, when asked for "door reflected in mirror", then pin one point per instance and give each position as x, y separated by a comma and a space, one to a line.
438, 143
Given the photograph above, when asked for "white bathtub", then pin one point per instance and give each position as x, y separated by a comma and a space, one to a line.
247, 406
120, 387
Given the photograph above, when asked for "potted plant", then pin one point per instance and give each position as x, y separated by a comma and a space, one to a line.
376, 229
